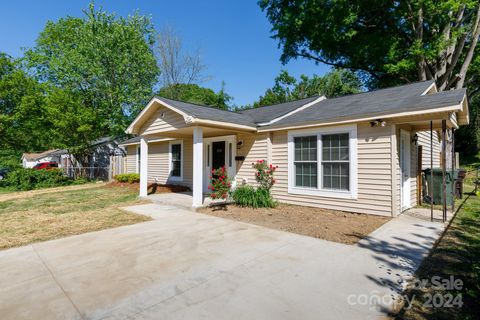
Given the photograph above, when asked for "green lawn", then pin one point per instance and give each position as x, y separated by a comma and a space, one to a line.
28, 217
457, 255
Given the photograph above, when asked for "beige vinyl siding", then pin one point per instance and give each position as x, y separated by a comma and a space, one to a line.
158, 162
374, 174
424, 141
170, 121
254, 148
131, 161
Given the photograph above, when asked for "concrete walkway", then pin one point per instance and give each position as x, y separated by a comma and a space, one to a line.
185, 265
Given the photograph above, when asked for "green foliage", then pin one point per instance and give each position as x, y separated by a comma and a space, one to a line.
264, 174
29, 179
387, 42
24, 124
193, 93
391, 41
128, 177
10, 159
99, 71
220, 184
336, 83
248, 196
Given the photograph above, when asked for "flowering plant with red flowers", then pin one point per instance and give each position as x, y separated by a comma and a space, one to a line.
264, 174
220, 184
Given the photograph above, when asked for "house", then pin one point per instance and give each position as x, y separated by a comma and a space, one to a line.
357, 153
103, 160
29, 160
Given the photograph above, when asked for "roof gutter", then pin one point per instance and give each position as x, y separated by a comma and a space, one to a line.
228, 125
148, 141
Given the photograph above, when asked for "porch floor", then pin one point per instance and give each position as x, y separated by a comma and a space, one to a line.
179, 199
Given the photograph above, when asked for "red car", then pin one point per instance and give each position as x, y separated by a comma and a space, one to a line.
46, 165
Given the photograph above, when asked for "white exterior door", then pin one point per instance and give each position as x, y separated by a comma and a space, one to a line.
404, 169
213, 148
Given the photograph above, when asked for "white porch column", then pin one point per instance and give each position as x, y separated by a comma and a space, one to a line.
143, 167
197, 167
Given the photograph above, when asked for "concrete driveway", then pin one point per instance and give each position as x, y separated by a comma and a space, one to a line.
185, 265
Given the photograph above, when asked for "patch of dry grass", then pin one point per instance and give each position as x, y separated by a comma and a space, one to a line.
45, 216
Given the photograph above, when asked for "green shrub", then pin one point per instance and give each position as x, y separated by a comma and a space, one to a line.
128, 177
248, 196
28, 179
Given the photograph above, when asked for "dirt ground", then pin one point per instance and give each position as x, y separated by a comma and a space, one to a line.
329, 225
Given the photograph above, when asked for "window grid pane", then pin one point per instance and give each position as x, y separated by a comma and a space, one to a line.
335, 162
305, 161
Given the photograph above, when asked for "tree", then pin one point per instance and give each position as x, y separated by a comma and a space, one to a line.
24, 124
177, 66
100, 71
391, 41
193, 93
286, 88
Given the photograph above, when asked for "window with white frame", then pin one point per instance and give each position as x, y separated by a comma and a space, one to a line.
323, 161
176, 160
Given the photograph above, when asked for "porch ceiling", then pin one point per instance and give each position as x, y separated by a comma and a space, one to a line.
422, 122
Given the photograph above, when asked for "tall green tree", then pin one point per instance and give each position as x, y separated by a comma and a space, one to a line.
194, 93
24, 122
286, 88
100, 70
391, 41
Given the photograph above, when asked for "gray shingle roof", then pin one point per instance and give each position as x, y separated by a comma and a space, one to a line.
267, 113
372, 104
210, 113
376, 103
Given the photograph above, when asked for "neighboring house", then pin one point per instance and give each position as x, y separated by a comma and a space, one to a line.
104, 159
355, 153
29, 160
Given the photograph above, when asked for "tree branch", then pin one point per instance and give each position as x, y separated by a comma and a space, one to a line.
471, 50
336, 64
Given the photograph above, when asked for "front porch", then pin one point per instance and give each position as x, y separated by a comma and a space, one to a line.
192, 154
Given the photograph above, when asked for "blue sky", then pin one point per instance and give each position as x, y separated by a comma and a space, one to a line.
233, 36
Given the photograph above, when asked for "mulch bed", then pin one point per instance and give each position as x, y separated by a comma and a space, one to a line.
329, 225
152, 188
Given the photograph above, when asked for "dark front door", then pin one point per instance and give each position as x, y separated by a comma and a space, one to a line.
218, 154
